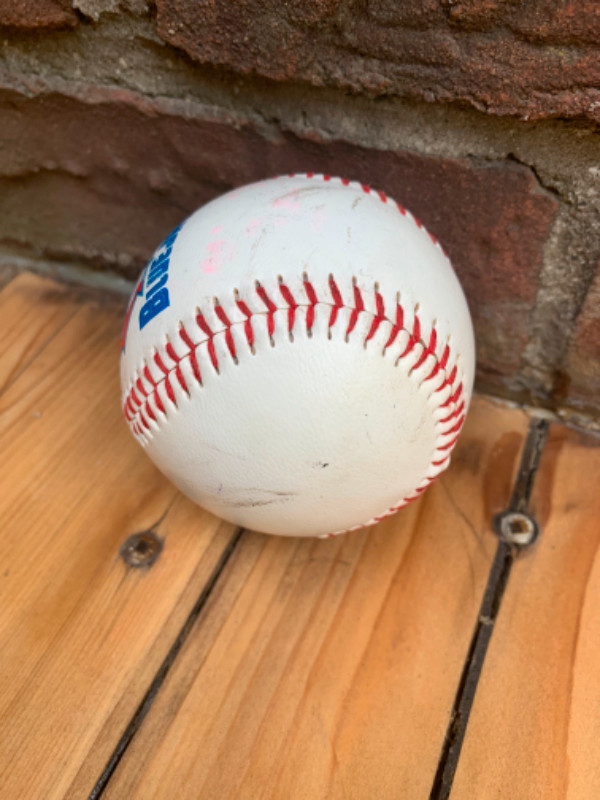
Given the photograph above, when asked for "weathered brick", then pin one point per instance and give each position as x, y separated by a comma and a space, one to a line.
106, 179
579, 383
531, 59
541, 21
31, 14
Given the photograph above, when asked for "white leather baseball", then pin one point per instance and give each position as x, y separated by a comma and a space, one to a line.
298, 356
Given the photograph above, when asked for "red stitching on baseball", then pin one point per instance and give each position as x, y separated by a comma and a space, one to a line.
159, 363
171, 352
148, 376
203, 325
416, 334
271, 307
414, 338
220, 312
205, 328
249, 333
181, 379
398, 325
458, 410
445, 357
432, 346
378, 318
335, 292
430, 350
130, 411
185, 337
137, 412
409, 346
169, 391
212, 353
149, 411
158, 402
401, 504
453, 397
292, 304
420, 360
449, 380
455, 428
337, 301
312, 299
195, 366
439, 364
448, 446
358, 307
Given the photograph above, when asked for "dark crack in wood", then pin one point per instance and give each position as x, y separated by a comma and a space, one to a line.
490, 606
163, 671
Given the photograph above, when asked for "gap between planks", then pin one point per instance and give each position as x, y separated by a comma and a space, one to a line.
164, 668
490, 608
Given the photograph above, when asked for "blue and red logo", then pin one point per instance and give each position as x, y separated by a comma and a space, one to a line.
152, 288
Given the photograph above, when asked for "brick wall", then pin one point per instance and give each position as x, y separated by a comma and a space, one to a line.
119, 117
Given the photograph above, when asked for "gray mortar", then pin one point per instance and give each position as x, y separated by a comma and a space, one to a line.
123, 51
78, 274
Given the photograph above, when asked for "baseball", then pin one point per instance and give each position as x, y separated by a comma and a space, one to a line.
298, 356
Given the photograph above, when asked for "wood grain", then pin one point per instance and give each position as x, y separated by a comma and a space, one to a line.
328, 669
81, 633
535, 723
32, 310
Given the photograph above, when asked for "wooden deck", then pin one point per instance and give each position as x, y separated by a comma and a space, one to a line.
422, 659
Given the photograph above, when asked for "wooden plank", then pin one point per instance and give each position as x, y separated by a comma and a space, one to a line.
328, 669
7, 273
535, 723
32, 310
81, 633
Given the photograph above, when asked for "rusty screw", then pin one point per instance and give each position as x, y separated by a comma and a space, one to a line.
516, 528
141, 549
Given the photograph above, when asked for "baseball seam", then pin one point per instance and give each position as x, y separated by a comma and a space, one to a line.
144, 408
366, 189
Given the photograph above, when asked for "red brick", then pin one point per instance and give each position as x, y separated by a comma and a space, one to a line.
142, 170
542, 21
531, 59
581, 377
31, 14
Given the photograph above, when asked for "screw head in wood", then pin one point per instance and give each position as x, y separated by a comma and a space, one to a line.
516, 528
141, 549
